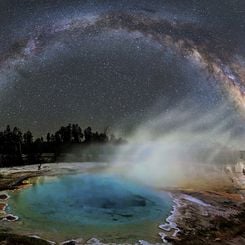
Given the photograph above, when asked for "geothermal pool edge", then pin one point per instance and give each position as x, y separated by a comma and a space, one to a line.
187, 215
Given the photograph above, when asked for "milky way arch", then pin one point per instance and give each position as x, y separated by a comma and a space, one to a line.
185, 38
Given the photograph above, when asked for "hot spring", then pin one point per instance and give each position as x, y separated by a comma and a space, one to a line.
87, 205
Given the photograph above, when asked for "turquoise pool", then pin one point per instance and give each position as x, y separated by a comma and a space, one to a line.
99, 205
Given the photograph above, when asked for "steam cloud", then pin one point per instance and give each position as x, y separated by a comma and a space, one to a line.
180, 148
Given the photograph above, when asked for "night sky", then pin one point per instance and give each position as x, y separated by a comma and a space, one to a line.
114, 63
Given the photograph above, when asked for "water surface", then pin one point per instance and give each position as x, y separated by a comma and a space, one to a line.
88, 205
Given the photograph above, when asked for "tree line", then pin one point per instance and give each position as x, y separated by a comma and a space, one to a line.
18, 148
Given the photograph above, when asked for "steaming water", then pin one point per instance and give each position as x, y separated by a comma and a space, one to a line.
90, 205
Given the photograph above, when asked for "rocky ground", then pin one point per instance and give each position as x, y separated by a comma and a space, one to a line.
201, 216
211, 216
218, 219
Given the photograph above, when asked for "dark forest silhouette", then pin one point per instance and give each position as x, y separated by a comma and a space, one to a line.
17, 148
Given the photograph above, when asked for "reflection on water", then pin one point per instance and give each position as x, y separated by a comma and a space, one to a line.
91, 205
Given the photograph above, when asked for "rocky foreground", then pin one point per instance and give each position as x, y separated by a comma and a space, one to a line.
199, 216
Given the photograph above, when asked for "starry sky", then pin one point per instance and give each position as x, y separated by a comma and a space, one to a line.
114, 63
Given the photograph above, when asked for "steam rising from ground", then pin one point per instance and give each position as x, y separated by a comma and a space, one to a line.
181, 148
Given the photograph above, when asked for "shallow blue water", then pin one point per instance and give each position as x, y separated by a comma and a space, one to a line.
98, 201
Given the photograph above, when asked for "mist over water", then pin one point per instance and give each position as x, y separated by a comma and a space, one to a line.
182, 147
